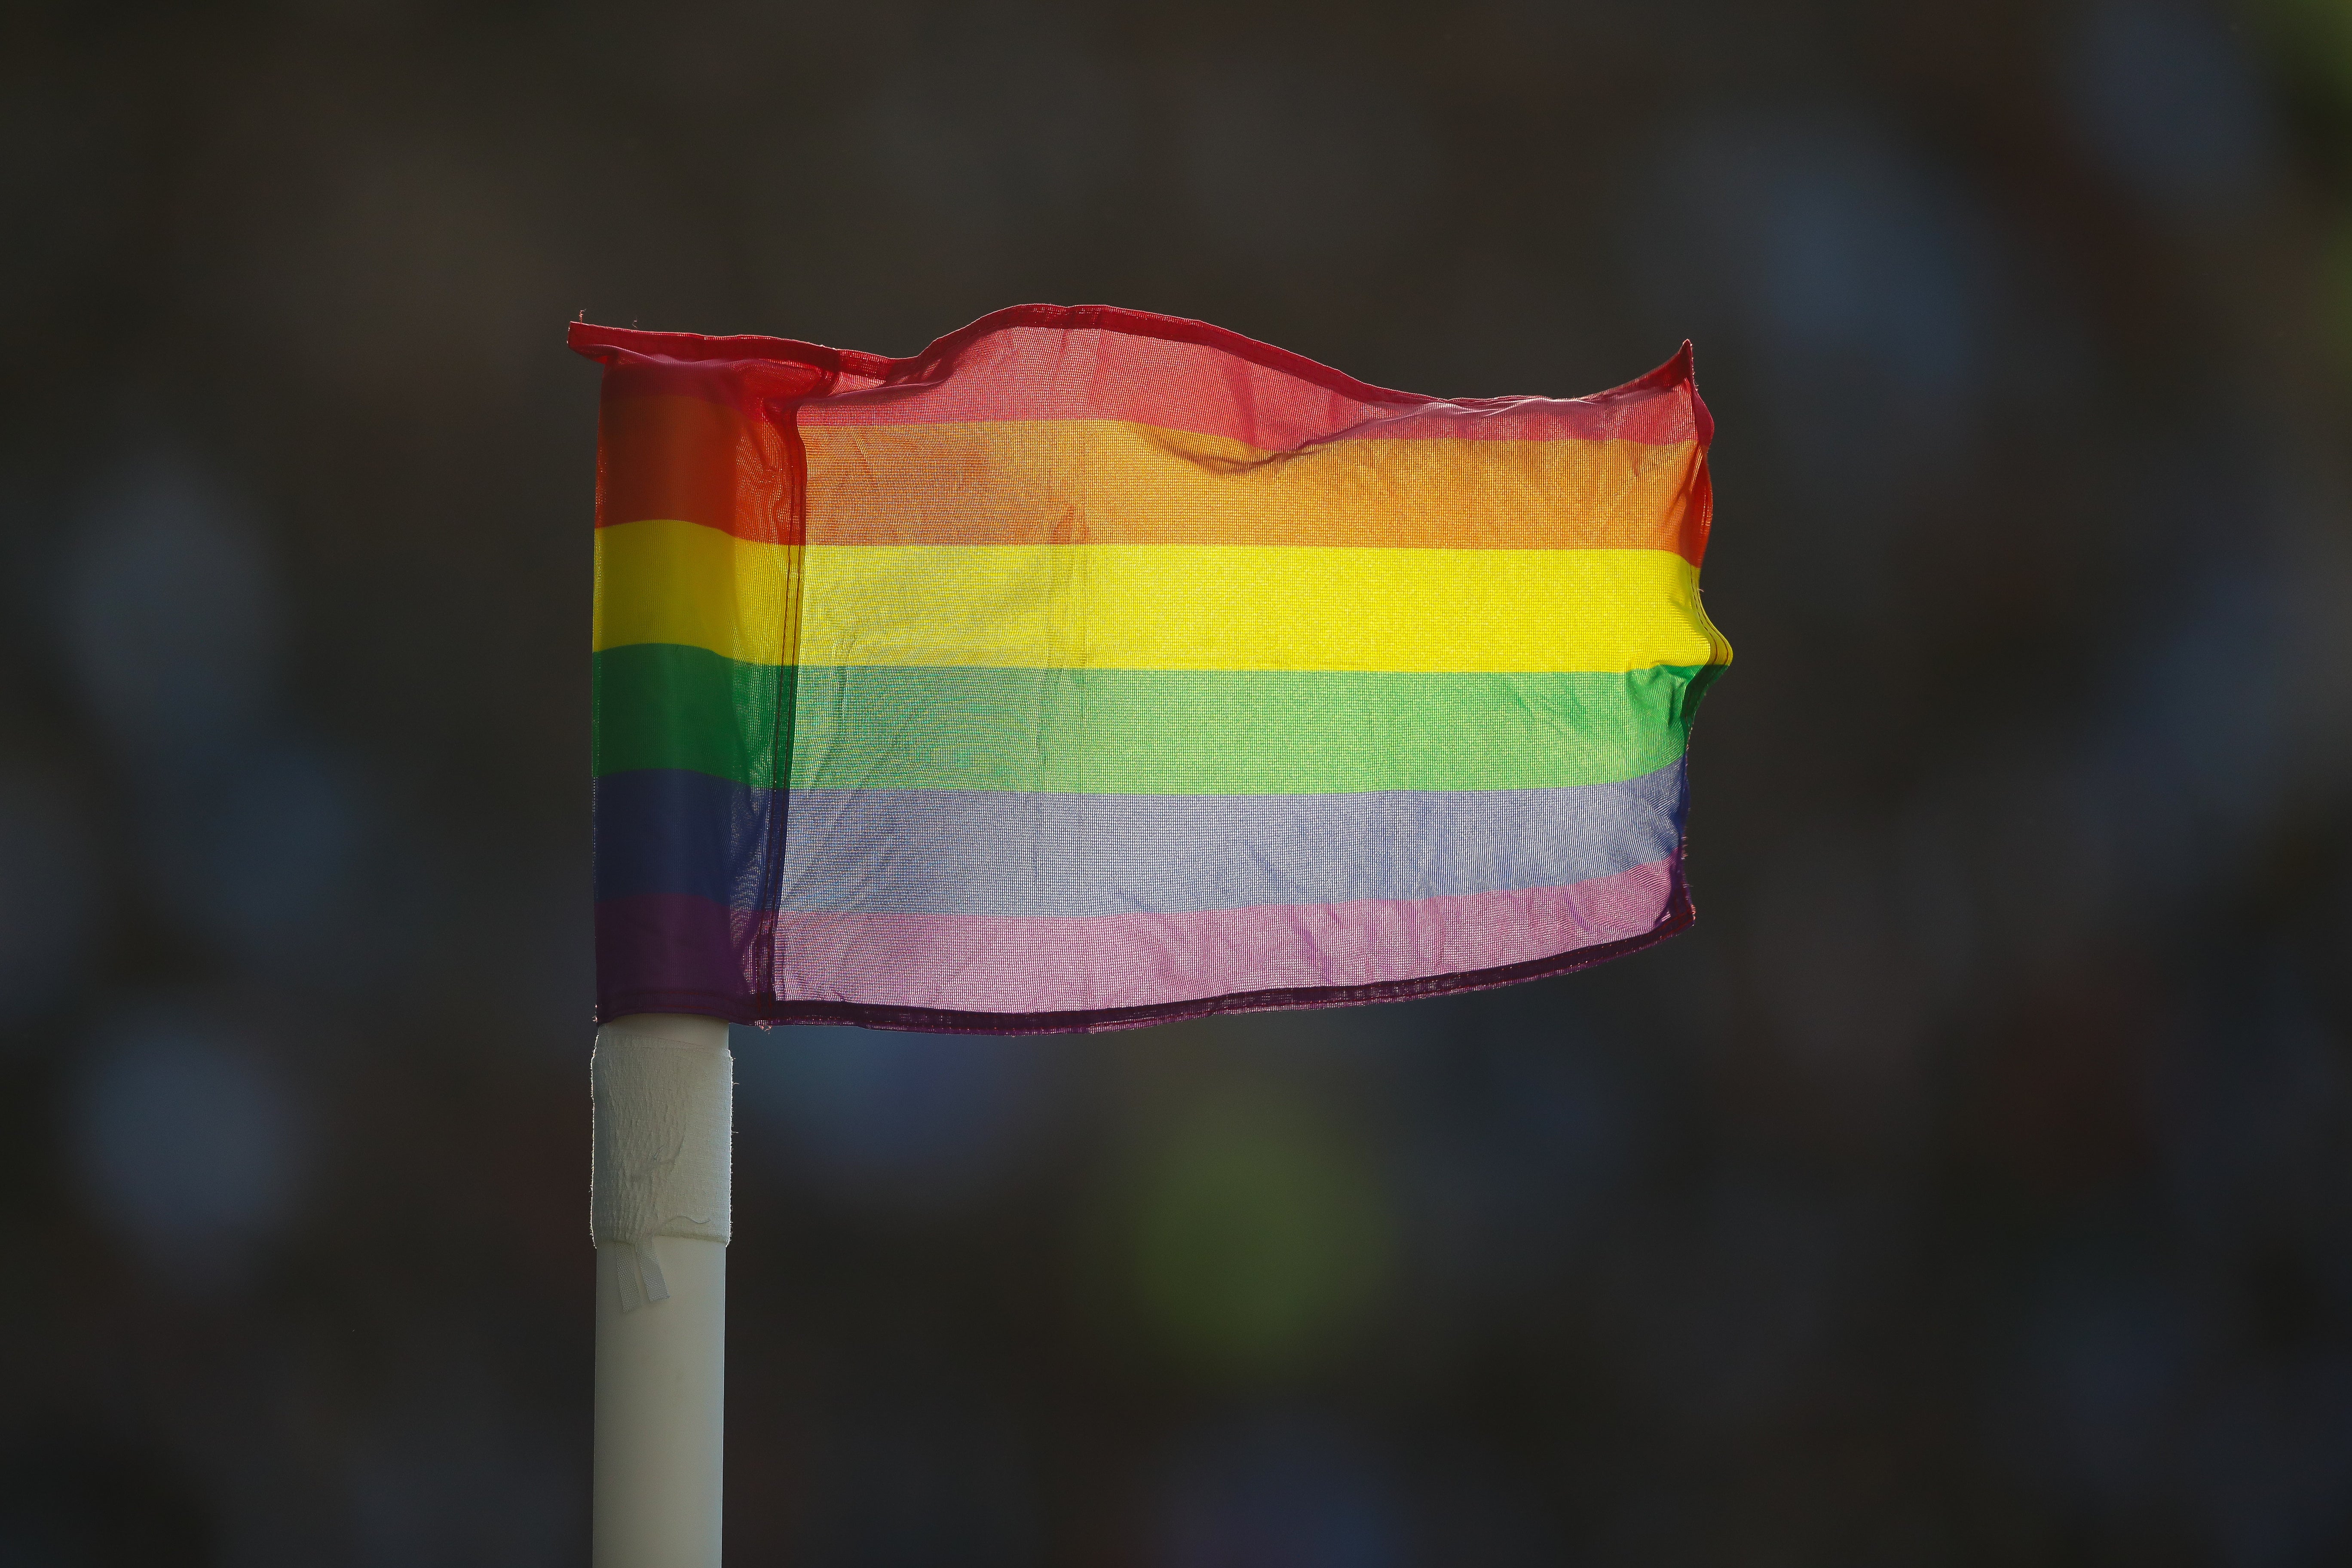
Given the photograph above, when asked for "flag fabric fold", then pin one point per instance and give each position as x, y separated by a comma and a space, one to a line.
1095, 667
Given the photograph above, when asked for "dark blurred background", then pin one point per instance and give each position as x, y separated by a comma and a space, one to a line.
1974, 1185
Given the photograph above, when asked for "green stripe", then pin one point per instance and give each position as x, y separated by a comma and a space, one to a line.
660, 705
1115, 732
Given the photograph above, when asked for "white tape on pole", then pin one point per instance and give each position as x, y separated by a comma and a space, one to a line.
664, 1093
664, 1111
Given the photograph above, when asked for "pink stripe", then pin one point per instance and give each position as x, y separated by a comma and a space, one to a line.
676, 953
984, 965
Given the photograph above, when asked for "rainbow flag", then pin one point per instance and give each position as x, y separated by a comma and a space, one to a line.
1093, 668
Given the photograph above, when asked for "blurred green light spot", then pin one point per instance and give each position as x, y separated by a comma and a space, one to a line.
2313, 37
1261, 1240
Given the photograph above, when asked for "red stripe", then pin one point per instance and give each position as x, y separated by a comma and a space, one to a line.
696, 460
1054, 362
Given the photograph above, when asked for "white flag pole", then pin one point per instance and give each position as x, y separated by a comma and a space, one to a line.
664, 1090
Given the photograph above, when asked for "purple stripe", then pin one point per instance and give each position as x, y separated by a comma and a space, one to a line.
1027, 973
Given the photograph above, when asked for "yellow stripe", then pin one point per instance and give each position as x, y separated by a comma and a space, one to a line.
672, 582
1162, 607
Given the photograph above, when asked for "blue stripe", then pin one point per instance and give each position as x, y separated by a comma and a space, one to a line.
1006, 853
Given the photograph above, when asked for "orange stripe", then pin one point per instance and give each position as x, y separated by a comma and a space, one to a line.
1109, 482
1113, 483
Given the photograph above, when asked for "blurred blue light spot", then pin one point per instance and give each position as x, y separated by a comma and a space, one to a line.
457, 1475
171, 612
1279, 1495
2108, 1362
2270, 1463
258, 851
1514, 1150
938, 1473
189, 1147
2163, 97
913, 1119
1866, 285
1856, 260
